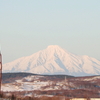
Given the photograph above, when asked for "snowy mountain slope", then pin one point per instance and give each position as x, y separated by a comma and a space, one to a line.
55, 60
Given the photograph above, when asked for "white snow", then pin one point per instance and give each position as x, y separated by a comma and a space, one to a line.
55, 60
20, 85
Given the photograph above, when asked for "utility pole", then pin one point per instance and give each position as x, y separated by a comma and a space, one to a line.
0, 70
65, 79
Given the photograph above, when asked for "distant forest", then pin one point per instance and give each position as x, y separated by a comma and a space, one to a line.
11, 77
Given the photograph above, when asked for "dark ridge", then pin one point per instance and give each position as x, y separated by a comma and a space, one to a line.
17, 74
11, 77
59, 76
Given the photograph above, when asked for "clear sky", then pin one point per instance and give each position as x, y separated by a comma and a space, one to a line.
27, 26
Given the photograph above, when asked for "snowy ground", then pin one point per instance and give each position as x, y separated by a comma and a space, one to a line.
31, 83
26, 84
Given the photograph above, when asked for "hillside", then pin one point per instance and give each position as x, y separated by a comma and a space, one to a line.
68, 86
54, 60
11, 77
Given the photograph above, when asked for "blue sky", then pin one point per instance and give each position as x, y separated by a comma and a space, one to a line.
27, 26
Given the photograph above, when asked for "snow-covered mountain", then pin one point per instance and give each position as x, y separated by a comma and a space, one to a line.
55, 60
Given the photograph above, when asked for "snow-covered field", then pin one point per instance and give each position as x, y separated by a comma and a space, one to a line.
54, 86
21, 85
32, 82
36, 82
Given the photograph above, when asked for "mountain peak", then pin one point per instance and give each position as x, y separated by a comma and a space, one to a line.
53, 46
52, 49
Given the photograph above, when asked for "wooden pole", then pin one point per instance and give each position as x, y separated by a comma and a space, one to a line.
0, 71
